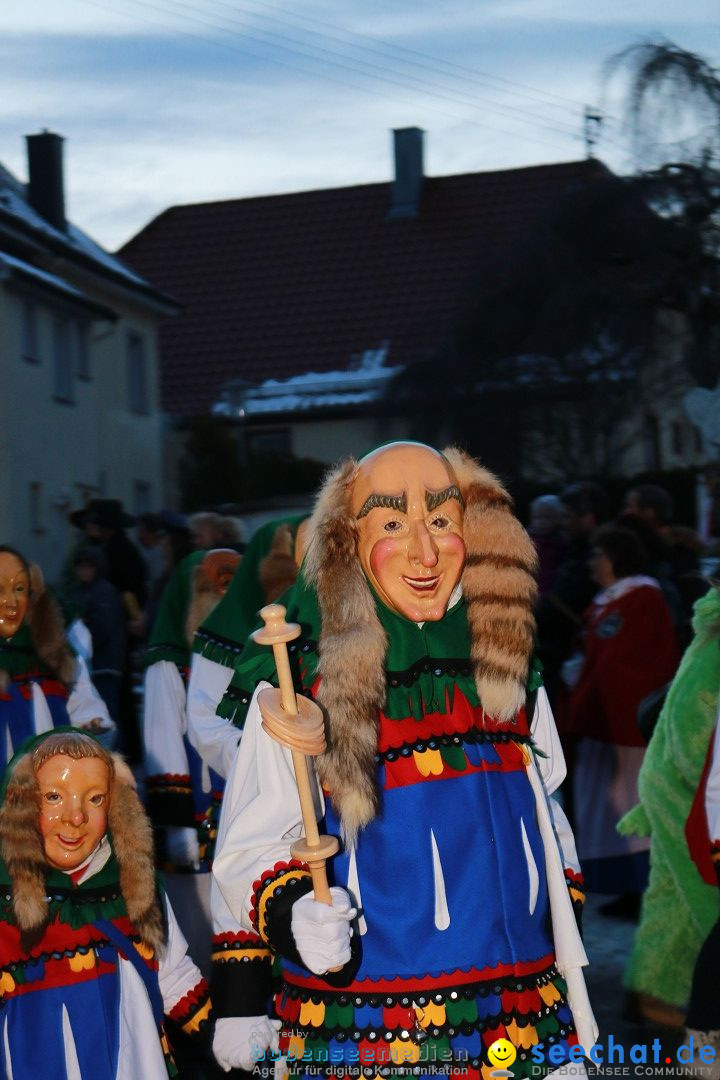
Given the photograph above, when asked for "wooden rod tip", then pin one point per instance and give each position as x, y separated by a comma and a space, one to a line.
275, 630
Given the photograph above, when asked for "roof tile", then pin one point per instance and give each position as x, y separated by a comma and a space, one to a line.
275, 286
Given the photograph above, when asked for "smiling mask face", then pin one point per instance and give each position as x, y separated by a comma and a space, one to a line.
14, 594
409, 515
73, 808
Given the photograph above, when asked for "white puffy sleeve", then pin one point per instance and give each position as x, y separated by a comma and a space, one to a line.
185, 993
260, 818
164, 720
84, 703
551, 766
214, 738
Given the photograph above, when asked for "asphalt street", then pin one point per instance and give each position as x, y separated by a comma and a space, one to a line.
608, 943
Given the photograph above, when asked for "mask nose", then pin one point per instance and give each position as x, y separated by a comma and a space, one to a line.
74, 813
423, 548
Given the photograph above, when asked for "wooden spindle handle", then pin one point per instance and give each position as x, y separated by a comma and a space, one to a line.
298, 724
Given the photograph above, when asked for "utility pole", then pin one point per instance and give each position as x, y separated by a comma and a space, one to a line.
593, 121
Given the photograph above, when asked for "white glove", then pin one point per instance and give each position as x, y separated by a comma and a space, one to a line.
241, 1041
322, 933
181, 844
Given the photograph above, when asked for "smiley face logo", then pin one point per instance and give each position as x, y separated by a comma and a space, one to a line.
501, 1054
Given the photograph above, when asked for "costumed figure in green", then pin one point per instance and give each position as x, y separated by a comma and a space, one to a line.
181, 788
678, 908
268, 568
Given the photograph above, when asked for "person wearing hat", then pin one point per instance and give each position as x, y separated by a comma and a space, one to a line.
452, 920
97, 602
104, 522
43, 683
92, 959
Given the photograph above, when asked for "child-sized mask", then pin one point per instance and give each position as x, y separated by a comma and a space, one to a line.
409, 515
14, 594
73, 808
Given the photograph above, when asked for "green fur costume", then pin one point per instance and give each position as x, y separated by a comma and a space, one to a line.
678, 908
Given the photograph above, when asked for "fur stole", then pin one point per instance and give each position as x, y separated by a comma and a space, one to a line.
47, 629
499, 588
351, 653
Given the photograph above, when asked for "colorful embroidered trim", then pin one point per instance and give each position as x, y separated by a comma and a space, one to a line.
576, 885
268, 885
238, 948
207, 828
193, 1010
456, 1025
73, 956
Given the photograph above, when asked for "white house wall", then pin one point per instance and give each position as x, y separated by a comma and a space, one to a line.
71, 451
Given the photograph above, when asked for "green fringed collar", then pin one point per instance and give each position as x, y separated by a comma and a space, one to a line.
223, 636
424, 664
18, 656
75, 905
167, 640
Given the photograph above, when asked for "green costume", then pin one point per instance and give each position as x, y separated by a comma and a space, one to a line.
678, 908
224, 633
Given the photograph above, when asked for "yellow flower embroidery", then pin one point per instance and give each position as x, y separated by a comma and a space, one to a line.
428, 762
82, 961
311, 1014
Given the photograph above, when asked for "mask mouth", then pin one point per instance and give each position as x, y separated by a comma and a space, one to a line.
422, 584
70, 841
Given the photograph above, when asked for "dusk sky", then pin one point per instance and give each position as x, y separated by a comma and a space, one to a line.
175, 101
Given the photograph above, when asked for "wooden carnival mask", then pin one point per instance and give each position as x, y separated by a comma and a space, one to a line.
73, 808
409, 514
14, 594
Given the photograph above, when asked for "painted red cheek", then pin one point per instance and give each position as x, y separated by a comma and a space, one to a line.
452, 544
382, 551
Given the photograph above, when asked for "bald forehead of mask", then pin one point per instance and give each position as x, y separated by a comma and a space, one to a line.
409, 516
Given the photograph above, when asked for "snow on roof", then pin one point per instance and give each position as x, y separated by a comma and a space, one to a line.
10, 262
311, 390
13, 200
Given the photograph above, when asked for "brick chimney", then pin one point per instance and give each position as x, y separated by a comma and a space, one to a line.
407, 185
46, 190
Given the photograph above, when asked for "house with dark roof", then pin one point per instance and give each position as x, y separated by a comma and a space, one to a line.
298, 309
79, 400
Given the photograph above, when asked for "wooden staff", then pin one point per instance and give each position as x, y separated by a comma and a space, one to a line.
297, 723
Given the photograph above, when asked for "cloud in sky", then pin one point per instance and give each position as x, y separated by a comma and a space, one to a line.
170, 101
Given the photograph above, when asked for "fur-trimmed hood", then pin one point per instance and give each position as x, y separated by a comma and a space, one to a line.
278, 570
498, 584
22, 850
47, 628
43, 629
210, 581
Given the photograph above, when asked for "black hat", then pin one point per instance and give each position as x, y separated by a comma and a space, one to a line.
108, 513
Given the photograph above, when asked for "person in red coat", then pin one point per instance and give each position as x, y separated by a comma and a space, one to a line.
629, 649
